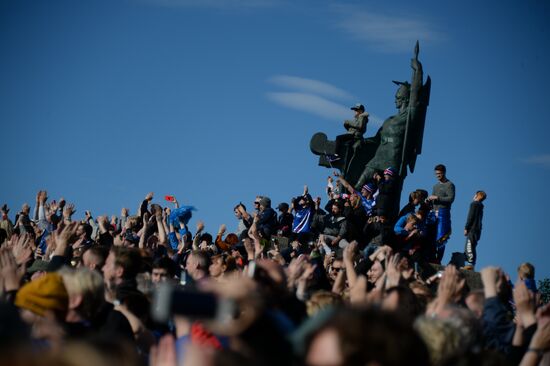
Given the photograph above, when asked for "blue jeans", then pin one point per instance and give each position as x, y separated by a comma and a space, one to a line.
443, 232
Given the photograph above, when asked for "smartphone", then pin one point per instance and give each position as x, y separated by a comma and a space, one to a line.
170, 198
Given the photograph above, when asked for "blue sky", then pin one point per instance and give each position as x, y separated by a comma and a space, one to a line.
215, 101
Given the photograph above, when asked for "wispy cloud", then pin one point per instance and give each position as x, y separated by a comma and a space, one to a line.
318, 106
310, 103
217, 4
386, 33
311, 86
542, 160
315, 97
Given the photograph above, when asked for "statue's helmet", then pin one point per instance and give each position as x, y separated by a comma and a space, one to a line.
404, 87
403, 92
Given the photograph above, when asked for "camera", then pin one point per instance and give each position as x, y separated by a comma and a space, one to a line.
171, 300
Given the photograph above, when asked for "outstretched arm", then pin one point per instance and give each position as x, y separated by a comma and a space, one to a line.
143, 207
416, 81
345, 183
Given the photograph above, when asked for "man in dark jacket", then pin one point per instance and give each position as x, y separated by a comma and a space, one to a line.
334, 226
285, 220
472, 229
388, 195
268, 218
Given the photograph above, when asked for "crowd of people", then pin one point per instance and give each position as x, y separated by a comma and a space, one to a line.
357, 281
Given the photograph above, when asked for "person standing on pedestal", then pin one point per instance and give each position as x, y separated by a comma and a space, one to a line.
443, 196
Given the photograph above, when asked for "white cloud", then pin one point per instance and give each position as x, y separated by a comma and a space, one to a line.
318, 106
386, 33
310, 103
542, 160
315, 97
310, 86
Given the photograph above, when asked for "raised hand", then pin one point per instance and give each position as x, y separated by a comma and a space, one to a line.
350, 251
157, 210
53, 207
65, 236
4, 209
200, 226
22, 249
309, 269
490, 276
68, 211
525, 304
149, 196
42, 197
450, 286
10, 272
317, 202
393, 274
329, 258
102, 221
379, 254
222, 229
118, 240
349, 254
50, 247
295, 269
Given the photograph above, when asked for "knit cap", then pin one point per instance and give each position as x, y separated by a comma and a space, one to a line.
390, 171
45, 293
369, 187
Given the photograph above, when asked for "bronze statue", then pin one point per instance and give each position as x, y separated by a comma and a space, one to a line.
396, 144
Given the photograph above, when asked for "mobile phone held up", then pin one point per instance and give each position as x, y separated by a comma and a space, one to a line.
170, 198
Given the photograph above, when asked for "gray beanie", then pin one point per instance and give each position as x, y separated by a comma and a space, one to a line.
265, 201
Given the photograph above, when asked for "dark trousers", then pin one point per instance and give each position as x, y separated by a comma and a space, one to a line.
470, 247
439, 253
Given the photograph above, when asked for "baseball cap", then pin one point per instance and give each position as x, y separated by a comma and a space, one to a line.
358, 107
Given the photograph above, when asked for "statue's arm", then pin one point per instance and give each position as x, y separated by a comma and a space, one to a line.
416, 82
